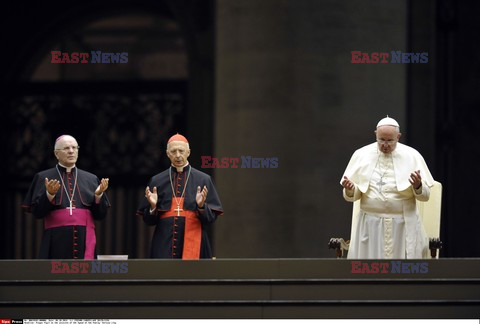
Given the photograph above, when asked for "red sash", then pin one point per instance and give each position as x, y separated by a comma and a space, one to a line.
83, 217
193, 229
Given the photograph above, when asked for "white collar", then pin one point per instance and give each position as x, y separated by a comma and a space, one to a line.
180, 169
69, 169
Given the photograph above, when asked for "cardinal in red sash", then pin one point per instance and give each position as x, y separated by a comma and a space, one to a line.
181, 202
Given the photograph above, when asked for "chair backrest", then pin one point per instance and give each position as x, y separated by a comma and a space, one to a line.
355, 212
430, 211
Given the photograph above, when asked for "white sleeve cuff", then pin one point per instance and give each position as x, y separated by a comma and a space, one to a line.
49, 196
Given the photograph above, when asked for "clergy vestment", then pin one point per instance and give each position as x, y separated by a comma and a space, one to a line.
69, 229
180, 231
388, 225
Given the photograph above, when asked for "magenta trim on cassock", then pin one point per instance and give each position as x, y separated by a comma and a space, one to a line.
82, 217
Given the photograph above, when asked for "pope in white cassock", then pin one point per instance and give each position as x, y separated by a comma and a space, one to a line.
388, 178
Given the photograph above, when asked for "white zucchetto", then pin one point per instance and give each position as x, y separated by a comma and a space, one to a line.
387, 121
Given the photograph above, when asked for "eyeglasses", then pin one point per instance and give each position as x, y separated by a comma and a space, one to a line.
388, 142
68, 148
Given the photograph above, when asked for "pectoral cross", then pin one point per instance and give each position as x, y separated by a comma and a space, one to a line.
71, 207
178, 210
381, 183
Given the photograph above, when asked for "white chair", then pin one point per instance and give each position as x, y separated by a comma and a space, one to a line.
430, 214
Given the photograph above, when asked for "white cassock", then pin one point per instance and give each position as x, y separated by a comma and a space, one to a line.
388, 225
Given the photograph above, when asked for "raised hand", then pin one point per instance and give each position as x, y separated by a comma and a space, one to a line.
102, 186
52, 186
201, 196
348, 184
415, 179
152, 197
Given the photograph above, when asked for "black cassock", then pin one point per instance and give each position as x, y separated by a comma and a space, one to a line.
70, 241
169, 236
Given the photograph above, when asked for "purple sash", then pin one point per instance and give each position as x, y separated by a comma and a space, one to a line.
83, 217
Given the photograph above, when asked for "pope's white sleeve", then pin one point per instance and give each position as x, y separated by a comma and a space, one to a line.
424, 194
356, 195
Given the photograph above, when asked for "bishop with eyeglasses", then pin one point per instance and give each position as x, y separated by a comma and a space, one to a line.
68, 199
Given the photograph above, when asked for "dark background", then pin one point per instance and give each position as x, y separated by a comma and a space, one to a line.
261, 78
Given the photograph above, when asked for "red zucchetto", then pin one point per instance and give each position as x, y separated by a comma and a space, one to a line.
177, 137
